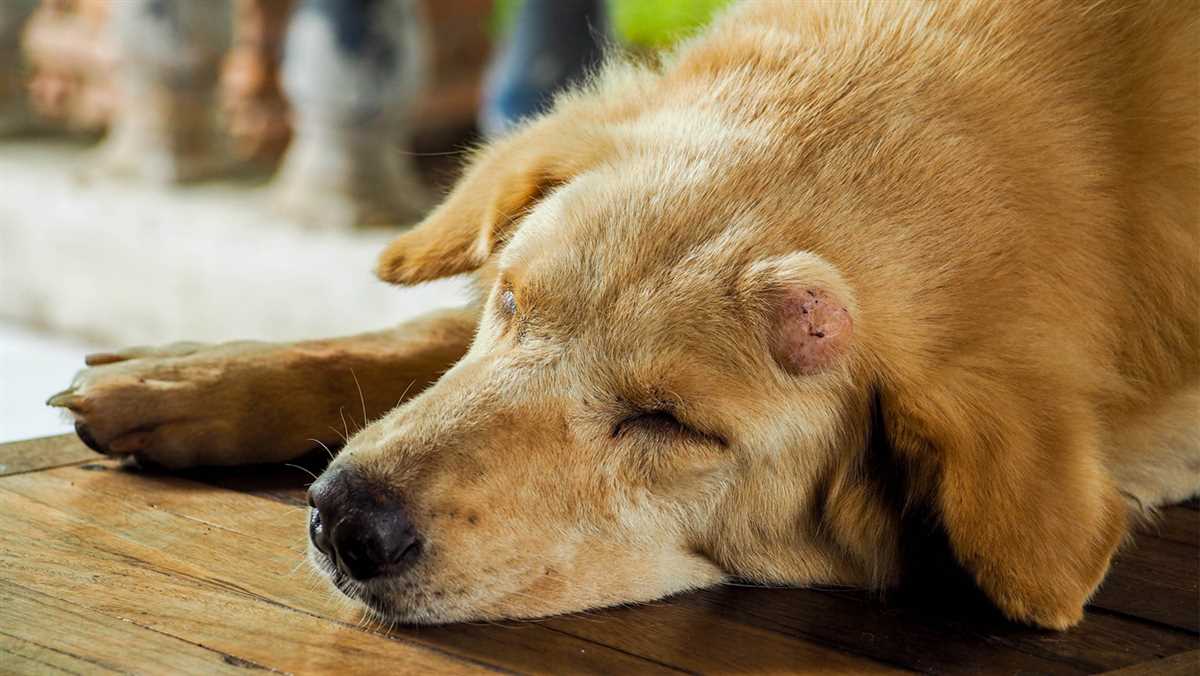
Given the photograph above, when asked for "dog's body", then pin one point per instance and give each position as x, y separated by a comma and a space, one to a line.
835, 264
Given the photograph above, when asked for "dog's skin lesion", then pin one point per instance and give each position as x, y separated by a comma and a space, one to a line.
831, 270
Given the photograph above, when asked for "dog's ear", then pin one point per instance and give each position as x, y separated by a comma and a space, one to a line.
1012, 471
499, 187
1000, 453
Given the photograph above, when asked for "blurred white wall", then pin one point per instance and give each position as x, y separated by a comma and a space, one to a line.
32, 367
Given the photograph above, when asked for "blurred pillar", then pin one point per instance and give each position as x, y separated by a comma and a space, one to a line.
351, 71
14, 113
168, 59
554, 44
70, 60
252, 103
461, 46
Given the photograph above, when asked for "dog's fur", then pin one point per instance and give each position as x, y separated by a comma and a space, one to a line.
744, 314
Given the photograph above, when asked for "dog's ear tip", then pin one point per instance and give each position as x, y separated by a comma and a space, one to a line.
390, 266
404, 265
395, 265
1058, 615
1060, 620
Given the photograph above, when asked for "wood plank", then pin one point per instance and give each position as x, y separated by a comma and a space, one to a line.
949, 638
18, 656
211, 540
632, 631
59, 555
259, 519
707, 643
1094, 648
910, 636
88, 641
1183, 664
922, 646
1157, 580
700, 640
35, 454
247, 552
1176, 523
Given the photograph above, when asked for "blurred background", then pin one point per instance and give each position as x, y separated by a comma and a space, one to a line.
225, 169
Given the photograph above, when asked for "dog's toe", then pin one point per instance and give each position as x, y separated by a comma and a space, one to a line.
89, 439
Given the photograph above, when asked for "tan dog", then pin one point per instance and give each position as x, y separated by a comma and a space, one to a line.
833, 267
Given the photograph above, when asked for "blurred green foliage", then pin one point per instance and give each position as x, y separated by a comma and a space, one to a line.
638, 23
659, 23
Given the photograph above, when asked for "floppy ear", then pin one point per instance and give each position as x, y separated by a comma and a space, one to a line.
1003, 452
1013, 472
500, 186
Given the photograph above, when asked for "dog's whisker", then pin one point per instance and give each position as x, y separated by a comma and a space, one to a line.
302, 469
322, 444
338, 432
342, 413
405, 393
362, 399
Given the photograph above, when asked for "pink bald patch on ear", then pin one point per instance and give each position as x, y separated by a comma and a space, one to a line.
813, 330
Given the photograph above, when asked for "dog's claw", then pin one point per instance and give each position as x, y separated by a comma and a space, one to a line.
101, 358
66, 399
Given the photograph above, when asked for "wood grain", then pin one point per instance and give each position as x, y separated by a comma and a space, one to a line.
185, 550
1157, 580
103, 569
108, 571
35, 454
95, 642
1183, 664
151, 509
1176, 523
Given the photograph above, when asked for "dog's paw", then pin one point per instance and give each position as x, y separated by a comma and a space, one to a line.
180, 405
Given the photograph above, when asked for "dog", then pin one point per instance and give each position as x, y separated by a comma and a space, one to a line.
827, 274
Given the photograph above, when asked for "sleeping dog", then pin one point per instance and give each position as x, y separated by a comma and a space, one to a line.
746, 311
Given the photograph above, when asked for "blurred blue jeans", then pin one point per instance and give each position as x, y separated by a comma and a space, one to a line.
553, 44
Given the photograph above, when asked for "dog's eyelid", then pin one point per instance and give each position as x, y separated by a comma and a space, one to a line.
507, 300
662, 417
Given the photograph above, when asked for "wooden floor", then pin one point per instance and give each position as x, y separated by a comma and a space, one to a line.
104, 569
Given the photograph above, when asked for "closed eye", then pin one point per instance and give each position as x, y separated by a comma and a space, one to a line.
508, 303
663, 423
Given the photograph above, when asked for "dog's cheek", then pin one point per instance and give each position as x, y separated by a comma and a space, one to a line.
692, 479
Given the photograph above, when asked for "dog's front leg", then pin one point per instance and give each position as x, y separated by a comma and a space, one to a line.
189, 404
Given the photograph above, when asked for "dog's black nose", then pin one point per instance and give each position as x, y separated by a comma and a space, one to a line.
363, 529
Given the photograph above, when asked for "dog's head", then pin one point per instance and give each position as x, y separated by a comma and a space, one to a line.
667, 389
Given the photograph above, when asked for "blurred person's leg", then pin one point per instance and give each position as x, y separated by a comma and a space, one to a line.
553, 44
351, 72
247, 402
168, 55
14, 114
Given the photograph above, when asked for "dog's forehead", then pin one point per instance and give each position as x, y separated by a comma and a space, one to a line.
643, 275
646, 226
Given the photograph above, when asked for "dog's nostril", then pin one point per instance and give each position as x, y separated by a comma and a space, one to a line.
314, 525
317, 532
409, 553
361, 526
376, 542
